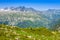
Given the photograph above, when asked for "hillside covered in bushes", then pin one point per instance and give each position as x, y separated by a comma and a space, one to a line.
17, 33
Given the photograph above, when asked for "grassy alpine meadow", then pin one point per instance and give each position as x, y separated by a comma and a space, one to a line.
17, 33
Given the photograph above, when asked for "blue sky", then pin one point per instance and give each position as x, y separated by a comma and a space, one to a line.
36, 4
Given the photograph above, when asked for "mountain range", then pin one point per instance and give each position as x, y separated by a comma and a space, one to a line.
29, 17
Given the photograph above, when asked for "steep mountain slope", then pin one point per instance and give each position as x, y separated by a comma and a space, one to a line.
23, 19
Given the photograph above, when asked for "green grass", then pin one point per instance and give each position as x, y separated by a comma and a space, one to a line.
16, 33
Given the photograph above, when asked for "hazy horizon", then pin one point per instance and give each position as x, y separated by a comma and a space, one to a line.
36, 4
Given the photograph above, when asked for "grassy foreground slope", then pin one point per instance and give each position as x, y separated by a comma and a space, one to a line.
16, 33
